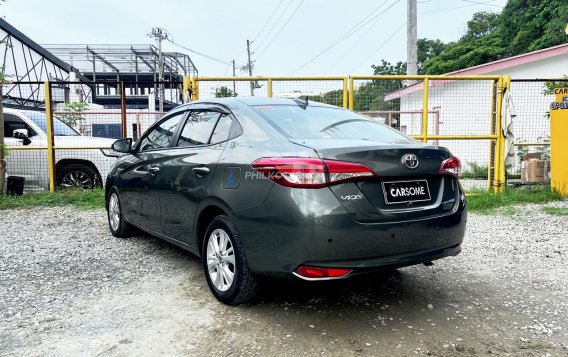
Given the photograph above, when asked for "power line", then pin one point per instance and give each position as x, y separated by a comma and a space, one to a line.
345, 53
354, 29
455, 8
381, 46
199, 53
281, 29
267, 21
274, 25
482, 3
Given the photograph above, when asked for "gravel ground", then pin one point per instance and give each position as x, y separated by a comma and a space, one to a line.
73, 289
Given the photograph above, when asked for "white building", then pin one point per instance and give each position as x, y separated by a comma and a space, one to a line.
466, 107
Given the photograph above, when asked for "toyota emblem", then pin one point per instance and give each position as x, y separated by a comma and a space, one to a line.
410, 161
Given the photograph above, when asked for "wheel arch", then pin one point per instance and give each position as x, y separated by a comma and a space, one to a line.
205, 216
61, 164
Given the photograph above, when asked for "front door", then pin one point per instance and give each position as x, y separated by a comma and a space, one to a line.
140, 176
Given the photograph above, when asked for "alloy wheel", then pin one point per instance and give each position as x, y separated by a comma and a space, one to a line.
77, 179
220, 260
114, 211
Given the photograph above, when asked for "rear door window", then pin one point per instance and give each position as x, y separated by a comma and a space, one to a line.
198, 128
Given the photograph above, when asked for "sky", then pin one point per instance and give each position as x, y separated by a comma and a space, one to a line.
289, 37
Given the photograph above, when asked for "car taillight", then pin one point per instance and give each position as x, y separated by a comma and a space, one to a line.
451, 166
308, 272
308, 172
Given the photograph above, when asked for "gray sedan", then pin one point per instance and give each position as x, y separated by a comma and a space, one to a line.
286, 188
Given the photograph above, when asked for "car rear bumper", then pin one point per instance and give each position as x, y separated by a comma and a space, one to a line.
310, 227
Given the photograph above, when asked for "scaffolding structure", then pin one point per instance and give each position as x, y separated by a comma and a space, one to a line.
128, 63
104, 71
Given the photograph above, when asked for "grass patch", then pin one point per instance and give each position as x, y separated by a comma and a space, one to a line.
509, 211
555, 211
86, 200
486, 202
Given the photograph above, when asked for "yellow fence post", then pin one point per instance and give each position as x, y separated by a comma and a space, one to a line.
49, 132
499, 155
195, 88
502, 168
269, 87
492, 130
345, 94
425, 111
351, 93
186, 87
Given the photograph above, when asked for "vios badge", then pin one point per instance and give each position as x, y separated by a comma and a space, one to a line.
410, 161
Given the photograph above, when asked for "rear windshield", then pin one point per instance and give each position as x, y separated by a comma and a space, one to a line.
315, 122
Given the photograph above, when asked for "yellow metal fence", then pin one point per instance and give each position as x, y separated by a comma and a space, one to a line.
462, 113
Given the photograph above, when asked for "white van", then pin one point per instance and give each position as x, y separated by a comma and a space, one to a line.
80, 168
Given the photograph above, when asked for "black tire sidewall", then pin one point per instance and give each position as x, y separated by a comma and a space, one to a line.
88, 170
223, 222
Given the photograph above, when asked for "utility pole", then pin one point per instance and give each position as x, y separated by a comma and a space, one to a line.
234, 86
250, 69
412, 39
160, 34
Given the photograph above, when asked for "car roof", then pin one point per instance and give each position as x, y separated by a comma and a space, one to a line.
255, 101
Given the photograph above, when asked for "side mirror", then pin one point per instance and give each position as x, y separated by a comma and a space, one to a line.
22, 134
122, 145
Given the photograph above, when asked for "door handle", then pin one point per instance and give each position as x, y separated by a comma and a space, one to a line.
200, 170
154, 170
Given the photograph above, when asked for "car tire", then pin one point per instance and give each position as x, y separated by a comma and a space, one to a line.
79, 176
116, 223
225, 264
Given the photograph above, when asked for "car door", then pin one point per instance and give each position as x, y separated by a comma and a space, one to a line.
30, 164
189, 167
140, 173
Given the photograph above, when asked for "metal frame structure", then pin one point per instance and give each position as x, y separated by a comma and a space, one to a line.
24, 62
128, 63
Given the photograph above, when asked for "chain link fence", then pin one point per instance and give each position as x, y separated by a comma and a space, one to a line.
84, 119
531, 129
461, 113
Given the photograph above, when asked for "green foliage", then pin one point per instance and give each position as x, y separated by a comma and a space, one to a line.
334, 97
549, 86
555, 211
224, 92
485, 202
82, 199
523, 26
530, 25
4, 151
73, 111
475, 171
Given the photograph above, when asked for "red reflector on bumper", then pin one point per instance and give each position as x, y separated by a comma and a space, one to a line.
321, 273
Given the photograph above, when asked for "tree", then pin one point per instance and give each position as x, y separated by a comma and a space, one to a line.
530, 25
481, 43
523, 26
223, 92
72, 115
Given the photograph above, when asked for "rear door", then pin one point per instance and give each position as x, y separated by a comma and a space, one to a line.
188, 168
140, 177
